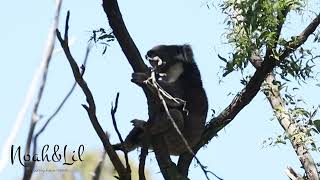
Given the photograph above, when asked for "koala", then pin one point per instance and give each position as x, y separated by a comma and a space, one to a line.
178, 75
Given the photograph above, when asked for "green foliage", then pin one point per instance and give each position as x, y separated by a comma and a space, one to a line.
254, 26
317, 125
299, 65
304, 118
275, 141
101, 36
317, 37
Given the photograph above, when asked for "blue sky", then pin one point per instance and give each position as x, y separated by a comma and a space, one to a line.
239, 147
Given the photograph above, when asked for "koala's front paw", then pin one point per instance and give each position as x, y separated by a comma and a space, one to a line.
139, 77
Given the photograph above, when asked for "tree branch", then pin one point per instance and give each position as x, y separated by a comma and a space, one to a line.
113, 112
291, 128
98, 169
142, 161
133, 56
57, 110
64, 99
28, 169
293, 175
167, 167
244, 97
111, 8
273, 95
302, 38
249, 92
91, 108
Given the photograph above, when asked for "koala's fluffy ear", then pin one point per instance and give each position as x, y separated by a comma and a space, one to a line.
186, 54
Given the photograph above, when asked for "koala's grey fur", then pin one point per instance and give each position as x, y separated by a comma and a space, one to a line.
178, 75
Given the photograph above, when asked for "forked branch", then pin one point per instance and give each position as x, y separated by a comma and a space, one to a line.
249, 92
91, 108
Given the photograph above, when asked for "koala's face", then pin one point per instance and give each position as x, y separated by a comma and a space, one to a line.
162, 56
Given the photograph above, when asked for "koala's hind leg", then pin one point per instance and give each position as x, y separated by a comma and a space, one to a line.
134, 138
161, 124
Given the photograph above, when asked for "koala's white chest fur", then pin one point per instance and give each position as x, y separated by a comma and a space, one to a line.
173, 73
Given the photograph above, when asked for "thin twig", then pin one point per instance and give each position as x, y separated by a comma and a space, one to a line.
65, 98
113, 112
35, 139
91, 108
99, 166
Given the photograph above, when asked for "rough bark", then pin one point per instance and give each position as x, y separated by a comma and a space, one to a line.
290, 127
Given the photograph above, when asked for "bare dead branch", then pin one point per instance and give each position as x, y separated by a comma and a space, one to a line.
28, 169
57, 110
97, 171
64, 99
113, 112
128, 47
91, 108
